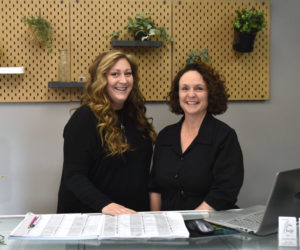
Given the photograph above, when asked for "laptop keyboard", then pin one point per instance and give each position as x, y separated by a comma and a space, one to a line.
251, 221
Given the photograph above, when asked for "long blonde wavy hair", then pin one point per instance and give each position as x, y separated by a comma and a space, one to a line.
96, 97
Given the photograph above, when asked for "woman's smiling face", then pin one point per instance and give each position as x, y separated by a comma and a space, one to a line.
193, 95
119, 83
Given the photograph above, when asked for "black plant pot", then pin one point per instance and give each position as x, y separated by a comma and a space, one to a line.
139, 36
243, 41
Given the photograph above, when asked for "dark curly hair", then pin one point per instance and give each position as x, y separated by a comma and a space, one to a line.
217, 94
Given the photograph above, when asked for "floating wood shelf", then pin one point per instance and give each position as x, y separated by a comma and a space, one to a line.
66, 84
12, 70
134, 43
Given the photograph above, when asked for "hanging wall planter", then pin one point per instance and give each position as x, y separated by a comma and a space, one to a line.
40, 31
246, 25
243, 42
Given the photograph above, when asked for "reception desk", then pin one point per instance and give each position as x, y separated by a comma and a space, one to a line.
235, 241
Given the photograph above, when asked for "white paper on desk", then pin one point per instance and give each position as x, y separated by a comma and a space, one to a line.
143, 225
98, 226
59, 227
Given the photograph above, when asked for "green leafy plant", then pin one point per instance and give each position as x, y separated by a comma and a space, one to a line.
2, 242
114, 35
143, 26
198, 56
249, 20
41, 29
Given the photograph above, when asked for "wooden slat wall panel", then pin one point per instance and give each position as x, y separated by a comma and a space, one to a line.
18, 50
197, 24
208, 24
103, 17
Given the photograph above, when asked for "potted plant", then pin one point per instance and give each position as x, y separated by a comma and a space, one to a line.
246, 24
41, 31
198, 56
2, 242
114, 35
142, 28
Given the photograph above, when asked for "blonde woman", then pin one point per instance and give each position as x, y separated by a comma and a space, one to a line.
108, 142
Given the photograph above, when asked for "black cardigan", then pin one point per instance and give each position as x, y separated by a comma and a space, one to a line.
90, 179
211, 169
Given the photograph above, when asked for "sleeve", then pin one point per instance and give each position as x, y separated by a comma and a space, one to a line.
228, 174
80, 143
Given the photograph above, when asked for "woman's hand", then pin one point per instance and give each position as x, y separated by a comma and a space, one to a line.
116, 209
155, 201
204, 206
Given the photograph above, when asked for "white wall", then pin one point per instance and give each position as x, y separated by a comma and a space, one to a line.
31, 134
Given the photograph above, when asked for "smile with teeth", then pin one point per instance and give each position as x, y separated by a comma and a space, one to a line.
192, 102
121, 89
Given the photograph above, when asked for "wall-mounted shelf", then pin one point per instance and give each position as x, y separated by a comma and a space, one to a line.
133, 43
66, 84
12, 70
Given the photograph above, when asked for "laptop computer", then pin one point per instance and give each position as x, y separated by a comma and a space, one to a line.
284, 200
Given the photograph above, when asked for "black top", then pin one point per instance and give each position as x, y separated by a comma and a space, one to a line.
91, 179
211, 169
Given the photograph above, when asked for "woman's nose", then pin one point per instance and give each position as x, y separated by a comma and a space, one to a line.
191, 93
122, 78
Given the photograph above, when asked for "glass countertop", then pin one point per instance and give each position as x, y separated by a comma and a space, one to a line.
234, 241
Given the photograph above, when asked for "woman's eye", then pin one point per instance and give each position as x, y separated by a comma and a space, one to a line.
200, 88
128, 74
114, 74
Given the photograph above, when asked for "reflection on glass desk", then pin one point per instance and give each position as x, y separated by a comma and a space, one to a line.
235, 241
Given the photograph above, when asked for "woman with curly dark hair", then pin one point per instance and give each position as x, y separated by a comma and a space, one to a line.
108, 142
198, 162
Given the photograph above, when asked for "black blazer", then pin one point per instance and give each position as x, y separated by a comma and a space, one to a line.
211, 169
